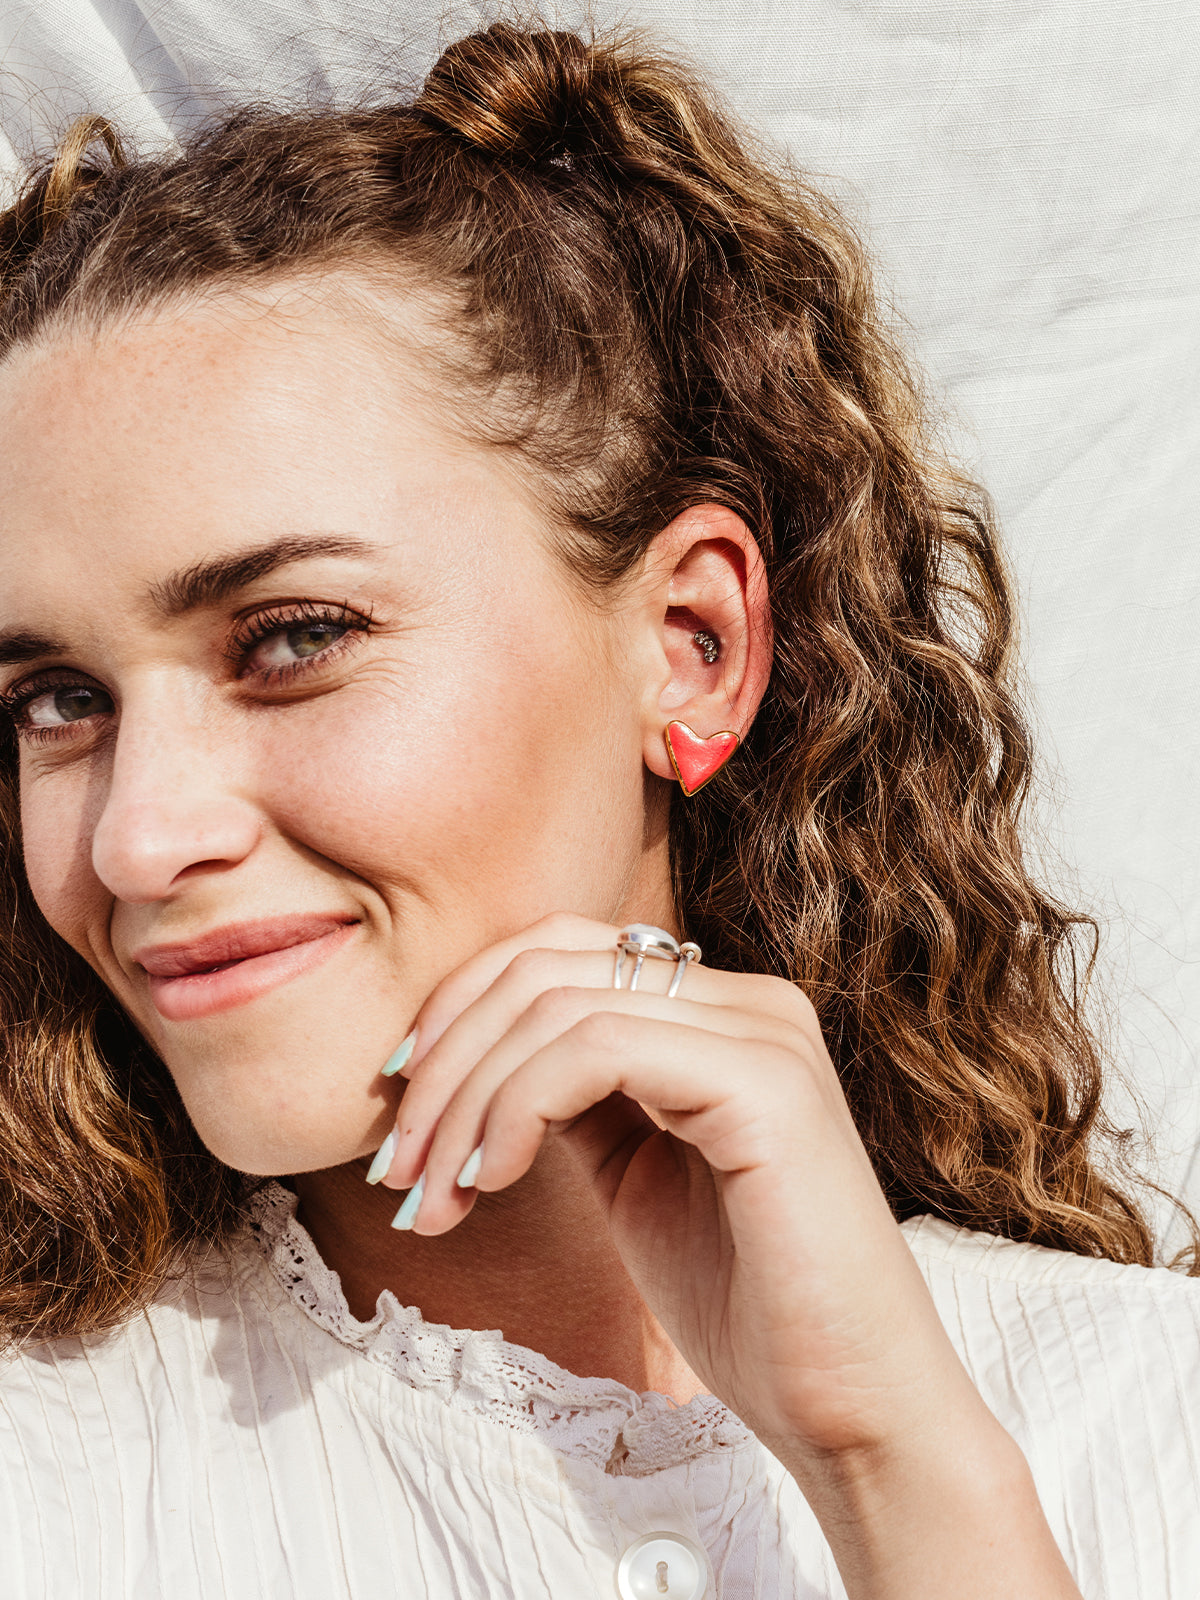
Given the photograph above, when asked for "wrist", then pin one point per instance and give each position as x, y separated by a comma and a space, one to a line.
965, 1452
945, 1510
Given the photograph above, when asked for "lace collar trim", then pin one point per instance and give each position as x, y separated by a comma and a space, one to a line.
590, 1419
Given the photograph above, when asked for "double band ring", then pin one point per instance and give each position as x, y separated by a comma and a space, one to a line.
640, 940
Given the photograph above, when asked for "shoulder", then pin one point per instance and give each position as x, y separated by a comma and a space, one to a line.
155, 1364
986, 1255
1094, 1368
1055, 1308
112, 1443
990, 1277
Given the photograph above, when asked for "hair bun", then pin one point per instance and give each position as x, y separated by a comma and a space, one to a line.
509, 93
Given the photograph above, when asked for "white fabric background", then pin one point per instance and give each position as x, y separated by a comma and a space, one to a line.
1029, 176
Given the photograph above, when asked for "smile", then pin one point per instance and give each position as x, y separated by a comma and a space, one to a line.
237, 964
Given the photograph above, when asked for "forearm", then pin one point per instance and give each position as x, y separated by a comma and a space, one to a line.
948, 1517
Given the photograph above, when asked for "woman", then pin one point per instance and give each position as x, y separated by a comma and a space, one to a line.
459, 560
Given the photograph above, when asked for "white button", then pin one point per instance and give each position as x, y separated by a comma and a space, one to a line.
662, 1566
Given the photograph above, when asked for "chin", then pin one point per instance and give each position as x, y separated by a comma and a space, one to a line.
304, 1133
277, 1158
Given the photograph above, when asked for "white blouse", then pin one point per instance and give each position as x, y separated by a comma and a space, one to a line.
246, 1438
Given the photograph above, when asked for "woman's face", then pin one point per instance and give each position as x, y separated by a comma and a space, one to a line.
303, 675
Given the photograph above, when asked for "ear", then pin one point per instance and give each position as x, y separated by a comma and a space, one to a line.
704, 573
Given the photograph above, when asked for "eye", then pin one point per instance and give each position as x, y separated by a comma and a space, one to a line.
286, 646
276, 646
55, 708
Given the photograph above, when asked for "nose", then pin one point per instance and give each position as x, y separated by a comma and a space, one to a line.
169, 808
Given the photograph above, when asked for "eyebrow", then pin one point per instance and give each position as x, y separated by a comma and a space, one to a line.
17, 648
205, 583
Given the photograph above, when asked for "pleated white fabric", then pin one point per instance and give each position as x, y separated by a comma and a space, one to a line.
247, 1437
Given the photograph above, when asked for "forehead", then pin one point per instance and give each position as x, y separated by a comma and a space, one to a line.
150, 405
165, 437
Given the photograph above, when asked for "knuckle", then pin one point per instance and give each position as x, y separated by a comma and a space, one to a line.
803, 1006
782, 1003
602, 1030
557, 1007
789, 1002
562, 925
792, 999
784, 1072
533, 967
787, 1064
805, 1086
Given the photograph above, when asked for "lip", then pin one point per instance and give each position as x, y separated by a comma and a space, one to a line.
232, 965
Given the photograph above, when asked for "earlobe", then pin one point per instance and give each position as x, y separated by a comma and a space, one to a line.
697, 758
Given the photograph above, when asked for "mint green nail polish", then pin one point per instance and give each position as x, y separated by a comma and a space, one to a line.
400, 1057
471, 1166
383, 1158
407, 1213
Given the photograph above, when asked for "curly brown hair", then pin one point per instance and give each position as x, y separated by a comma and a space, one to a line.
659, 316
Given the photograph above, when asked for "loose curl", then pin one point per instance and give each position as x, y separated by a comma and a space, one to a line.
657, 317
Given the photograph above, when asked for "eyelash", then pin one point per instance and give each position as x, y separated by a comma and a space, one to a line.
260, 625
249, 634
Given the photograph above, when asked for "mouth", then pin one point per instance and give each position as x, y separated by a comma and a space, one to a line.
236, 964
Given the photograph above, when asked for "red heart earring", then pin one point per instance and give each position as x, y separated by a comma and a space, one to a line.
696, 760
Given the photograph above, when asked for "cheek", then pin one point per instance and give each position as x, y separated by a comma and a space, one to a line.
495, 773
56, 840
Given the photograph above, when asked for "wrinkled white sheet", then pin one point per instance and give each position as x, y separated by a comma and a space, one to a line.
1029, 175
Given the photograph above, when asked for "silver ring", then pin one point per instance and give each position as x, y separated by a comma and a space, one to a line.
641, 939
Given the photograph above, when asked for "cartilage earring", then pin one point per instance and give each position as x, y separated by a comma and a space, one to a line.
709, 644
695, 759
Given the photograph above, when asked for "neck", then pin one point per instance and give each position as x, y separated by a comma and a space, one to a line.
535, 1262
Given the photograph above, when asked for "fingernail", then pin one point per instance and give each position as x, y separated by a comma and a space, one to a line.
383, 1157
399, 1058
407, 1213
471, 1166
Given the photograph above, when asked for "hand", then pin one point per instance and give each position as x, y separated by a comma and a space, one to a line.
722, 1152
721, 1149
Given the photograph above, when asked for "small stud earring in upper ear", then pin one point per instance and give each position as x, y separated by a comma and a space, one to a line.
709, 644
